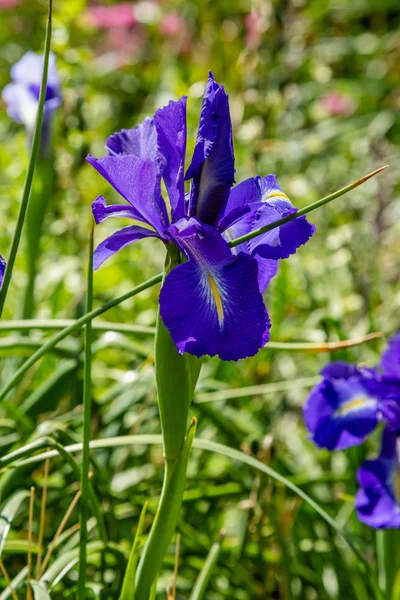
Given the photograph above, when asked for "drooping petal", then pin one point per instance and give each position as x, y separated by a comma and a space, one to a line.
267, 269
211, 304
136, 180
101, 211
258, 202
340, 411
391, 357
212, 167
141, 141
2, 269
170, 123
119, 240
378, 499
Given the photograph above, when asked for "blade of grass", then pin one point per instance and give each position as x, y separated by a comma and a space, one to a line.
51, 324
87, 391
305, 210
204, 576
75, 326
127, 592
31, 167
29, 563
8, 513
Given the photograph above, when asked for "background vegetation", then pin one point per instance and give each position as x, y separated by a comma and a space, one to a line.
315, 97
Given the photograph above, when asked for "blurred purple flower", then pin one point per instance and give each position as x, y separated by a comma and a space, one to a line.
344, 409
2, 269
340, 411
212, 303
378, 499
22, 94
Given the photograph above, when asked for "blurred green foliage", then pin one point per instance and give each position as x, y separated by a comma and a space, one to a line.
315, 98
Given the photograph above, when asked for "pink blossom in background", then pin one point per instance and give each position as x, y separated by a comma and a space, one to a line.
255, 27
9, 3
121, 46
337, 104
173, 26
118, 15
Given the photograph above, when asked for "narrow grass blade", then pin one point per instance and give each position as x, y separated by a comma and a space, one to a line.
202, 581
16, 583
128, 586
305, 210
8, 513
65, 562
54, 324
87, 392
31, 167
75, 326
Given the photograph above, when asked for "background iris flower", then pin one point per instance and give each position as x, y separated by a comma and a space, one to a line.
2, 269
22, 94
211, 303
344, 409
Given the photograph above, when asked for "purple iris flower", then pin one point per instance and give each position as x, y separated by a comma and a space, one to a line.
378, 499
342, 410
22, 94
212, 302
2, 269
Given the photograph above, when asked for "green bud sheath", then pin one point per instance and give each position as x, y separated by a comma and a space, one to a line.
176, 377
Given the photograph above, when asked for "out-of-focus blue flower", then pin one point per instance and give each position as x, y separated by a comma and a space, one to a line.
212, 303
344, 409
378, 499
22, 94
341, 411
2, 269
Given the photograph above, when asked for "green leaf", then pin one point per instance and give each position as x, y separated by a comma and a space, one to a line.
165, 521
65, 562
128, 586
8, 513
204, 577
39, 590
15, 584
31, 167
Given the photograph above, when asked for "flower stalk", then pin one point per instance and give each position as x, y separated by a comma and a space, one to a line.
176, 377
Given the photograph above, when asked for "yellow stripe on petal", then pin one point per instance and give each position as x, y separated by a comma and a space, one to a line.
355, 404
277, 195
217, 298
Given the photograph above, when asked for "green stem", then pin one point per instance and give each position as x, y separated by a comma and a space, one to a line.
176, 377
388, 543
202, 581
84, 504
165, 521
31, 167
305, 210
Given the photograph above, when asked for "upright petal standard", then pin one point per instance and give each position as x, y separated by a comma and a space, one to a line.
212, 302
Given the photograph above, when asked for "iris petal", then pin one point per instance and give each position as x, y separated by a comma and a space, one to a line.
170, 123
378, 499
212, 167
101, 211
119, 240
340, 412
211, 304
141, 141
137, 181
2, 269
391, 358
